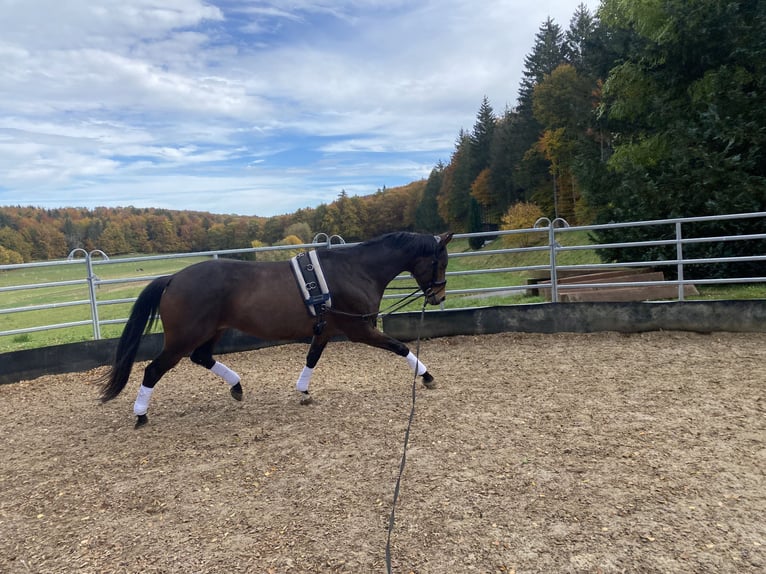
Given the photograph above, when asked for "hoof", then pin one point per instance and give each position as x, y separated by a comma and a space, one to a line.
236, 392
428, 381
141, 420
306, 398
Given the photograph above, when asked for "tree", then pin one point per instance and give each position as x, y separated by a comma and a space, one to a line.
481, 189
522, 215
300, 230
113, 240
579, 40
684, 104
391, 209
563, 104
161, 233
9, 256
14, 241
273, 230
344, 217
427, 218
47, 242
547, 54
475, 224
481, 137
506, 154
454, 196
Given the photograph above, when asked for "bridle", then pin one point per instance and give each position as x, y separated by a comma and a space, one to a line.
434, 285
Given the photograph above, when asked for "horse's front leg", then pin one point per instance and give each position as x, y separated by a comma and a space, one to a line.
370, 335
304, 380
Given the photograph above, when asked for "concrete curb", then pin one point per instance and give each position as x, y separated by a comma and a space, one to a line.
633, 317
700, 316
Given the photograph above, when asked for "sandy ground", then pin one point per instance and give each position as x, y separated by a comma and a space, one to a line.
537, 453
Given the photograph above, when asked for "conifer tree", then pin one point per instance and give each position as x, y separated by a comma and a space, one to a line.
533, 173
427, 218
481, 137
547, 53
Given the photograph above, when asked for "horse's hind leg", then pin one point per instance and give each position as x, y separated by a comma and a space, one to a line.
203, 355
153, 373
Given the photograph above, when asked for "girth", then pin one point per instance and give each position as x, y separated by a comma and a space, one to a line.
311, 282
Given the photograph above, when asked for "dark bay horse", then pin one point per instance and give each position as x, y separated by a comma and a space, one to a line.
197, 304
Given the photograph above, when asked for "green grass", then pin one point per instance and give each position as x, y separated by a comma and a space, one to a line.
118, 270
68, 293
510, 279
729, 292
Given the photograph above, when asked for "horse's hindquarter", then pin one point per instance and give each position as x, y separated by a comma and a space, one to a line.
258, 298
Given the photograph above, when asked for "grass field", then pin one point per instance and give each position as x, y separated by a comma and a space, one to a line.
115, 269
75, 271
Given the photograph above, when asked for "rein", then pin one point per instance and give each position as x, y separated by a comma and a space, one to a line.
392, 516
387, 311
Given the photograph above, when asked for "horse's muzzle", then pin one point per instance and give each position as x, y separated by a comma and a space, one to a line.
436, 296
434, 299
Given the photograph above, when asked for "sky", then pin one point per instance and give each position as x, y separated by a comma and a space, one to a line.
246, 107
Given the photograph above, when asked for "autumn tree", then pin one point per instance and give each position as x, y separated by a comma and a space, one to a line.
563, 104
161, 233
14, 241
391, 209
522, 215
113, 241
481, 189
9, 257
301, 230
344, 217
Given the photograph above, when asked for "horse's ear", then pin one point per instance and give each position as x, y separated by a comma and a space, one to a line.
443, 238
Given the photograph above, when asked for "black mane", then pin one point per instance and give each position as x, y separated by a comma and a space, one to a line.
405, 240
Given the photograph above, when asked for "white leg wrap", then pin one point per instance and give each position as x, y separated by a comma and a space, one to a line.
303, 381
225, 373
142, 400
415, 364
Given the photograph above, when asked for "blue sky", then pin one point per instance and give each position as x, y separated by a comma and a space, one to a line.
254, 108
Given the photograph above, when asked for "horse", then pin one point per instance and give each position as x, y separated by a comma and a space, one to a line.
264, 298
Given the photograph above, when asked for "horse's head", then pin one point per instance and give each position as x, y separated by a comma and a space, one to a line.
429, 271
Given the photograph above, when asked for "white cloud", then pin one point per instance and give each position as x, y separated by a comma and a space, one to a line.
218, 104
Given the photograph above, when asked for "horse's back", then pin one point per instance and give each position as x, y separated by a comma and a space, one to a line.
257, 297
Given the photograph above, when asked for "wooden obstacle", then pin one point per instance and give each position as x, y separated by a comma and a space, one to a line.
612, 293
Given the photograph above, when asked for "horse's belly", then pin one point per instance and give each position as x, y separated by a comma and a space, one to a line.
276, 322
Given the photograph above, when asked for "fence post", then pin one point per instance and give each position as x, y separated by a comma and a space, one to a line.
680, 264
554, 274
92, 282
553, 244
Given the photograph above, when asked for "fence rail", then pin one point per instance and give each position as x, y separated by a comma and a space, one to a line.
551, 233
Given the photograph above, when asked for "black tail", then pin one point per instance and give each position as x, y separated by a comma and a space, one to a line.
142, 317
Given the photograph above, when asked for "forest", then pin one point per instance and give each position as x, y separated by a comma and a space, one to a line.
640, 110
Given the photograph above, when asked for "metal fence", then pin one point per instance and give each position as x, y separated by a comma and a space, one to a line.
549, 242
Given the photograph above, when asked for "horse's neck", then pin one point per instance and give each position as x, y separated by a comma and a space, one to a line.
379, 265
